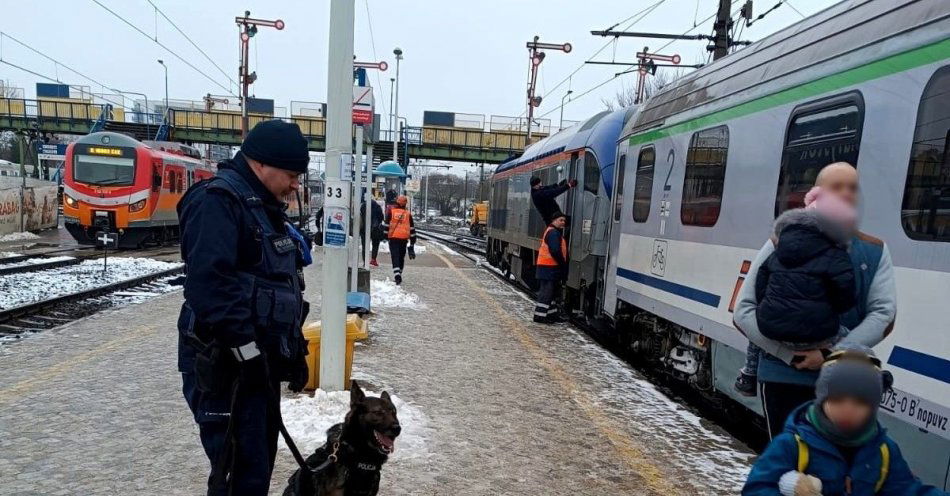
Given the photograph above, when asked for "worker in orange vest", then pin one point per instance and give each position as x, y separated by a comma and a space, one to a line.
551, 269
402, 231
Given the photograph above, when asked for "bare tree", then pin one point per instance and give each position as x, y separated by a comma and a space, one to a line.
627, 95
9, 91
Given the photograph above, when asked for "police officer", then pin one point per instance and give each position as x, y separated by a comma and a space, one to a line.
402, 230
240, 325
551, 269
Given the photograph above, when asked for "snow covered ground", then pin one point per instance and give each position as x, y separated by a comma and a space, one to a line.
18, 236
8, 254
384, 248
37, 260
308, 418
386, 294
20, 289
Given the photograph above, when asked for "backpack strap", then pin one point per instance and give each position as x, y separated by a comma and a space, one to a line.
885, 466
802, 454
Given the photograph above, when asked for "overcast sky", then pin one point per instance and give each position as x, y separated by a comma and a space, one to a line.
460, 56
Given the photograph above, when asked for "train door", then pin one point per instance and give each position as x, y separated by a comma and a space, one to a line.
615, 228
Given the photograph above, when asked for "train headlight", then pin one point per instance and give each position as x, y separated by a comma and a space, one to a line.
70, 201
137, 206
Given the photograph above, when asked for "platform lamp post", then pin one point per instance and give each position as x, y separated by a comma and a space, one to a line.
392, 86
160, 61
366, 186
398, 53
337, 202
248, 28
560, 122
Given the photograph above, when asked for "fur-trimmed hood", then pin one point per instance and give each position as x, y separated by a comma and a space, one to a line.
804, 234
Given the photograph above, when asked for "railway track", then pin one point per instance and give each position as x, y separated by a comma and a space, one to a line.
470, 244
59, 310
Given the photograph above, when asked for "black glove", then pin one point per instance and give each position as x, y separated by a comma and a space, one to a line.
300, 374
412, 252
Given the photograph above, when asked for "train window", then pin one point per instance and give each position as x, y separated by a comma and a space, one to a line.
643, 189
705, 177
591, 173
925, 213
818, 134
618, 187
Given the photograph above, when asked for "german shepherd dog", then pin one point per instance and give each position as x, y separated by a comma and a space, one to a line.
349, 463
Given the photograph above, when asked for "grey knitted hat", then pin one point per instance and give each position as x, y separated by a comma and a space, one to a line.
851, 370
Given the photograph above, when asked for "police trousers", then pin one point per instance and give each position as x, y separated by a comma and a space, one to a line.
254, 431
397, 250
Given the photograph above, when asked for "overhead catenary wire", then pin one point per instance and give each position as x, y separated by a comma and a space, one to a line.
48, 78
642, 14
577, 96
169, 50
58, 64
159, 11
372, 41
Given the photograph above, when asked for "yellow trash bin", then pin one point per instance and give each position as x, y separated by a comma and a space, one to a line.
356, 329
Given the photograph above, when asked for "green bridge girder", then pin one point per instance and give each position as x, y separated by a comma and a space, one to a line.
430, 151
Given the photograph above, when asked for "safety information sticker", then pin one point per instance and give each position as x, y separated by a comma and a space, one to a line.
335, 227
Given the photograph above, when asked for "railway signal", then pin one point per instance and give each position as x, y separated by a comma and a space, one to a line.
248, 28
536, 57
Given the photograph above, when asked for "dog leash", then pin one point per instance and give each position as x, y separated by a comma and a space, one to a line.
219, 473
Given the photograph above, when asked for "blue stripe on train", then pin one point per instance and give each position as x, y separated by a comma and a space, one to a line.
920, 363
671, 287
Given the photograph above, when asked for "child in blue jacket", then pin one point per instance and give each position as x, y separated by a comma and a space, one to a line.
834, 445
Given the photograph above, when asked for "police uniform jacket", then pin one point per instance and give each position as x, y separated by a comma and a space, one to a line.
242, 283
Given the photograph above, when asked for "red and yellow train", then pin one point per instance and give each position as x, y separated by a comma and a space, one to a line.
115, 183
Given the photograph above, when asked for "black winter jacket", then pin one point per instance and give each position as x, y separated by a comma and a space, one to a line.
544, 199
807, 282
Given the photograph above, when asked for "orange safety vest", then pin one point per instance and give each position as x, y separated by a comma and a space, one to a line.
398, 223
544, 255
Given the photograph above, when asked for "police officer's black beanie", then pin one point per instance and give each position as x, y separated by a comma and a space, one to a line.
278, 144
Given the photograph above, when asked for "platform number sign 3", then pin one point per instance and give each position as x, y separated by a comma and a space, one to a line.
658, 261
335, 192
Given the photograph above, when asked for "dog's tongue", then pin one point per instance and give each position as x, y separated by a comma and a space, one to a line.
386, 442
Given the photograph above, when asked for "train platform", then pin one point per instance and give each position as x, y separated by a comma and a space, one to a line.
489, 402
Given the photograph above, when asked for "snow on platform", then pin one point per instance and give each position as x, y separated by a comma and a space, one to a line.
420, 248
386, 294
308, 417
24, 288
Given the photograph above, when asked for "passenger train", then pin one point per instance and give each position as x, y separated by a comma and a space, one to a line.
114, 183
676, 196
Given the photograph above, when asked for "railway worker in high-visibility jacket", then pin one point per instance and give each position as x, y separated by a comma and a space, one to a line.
401, 231
551, 269
240, 325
